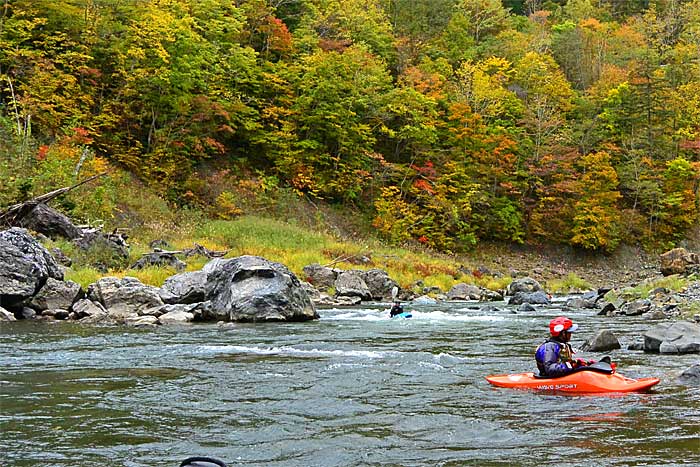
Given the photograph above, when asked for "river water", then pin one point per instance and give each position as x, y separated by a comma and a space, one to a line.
351, 389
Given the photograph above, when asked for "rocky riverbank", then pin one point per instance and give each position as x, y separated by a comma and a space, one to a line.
254, 289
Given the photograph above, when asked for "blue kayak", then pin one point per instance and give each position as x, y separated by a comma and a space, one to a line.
404, 314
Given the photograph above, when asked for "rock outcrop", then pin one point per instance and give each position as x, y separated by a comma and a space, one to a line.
675, 337
251, 288
25, 266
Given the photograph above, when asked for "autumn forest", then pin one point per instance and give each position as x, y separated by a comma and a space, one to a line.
444, 122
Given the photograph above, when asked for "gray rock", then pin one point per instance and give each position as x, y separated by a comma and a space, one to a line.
578, 303
655, 315
251, 288
319, 276
379, 283
639, 345
141, 321
311, 291
159, 258
424, 300
48, 221
56, 294
27, 313
603, 341
526, 307
524, 285
463, 291
491, 296
676, 337
188, 287
176, 316
341, 301
352, 284
85, 308
535, 298
6, 315
98, 318
124, 297
192, 309
56, 313
636, 307
608, 309
25, 265
691, 376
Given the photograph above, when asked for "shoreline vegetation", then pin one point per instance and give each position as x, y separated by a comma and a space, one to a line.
556, 140
415, 269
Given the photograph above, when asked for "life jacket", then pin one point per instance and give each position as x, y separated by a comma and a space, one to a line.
566, 353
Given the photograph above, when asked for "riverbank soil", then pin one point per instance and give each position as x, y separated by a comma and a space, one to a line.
627, 266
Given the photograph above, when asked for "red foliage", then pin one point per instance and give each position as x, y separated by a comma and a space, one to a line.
80, 136
423, 185
281, 39
41, 153
688, 144
427, 170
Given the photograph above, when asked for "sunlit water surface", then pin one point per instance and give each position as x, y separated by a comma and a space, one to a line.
351, 389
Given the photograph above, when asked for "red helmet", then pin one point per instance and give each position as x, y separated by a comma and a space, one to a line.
561, 323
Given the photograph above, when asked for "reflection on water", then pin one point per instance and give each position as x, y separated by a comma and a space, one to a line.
352, 389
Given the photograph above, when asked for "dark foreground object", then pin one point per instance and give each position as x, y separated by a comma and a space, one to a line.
199, 461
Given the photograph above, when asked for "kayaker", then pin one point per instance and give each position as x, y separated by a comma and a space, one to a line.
555, 357
396, 309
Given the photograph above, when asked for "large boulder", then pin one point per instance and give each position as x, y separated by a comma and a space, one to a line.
524, 285
188, 287
379, 283
125, 297
320, 276
25, 266
534, 298
677, 337
251, 288
50, 222
464, 291
352, 284
603, 341
56, 294
678, 261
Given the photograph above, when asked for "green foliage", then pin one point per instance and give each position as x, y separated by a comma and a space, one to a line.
596, 220
447, 121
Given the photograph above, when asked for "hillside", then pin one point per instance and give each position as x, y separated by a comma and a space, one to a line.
448, 123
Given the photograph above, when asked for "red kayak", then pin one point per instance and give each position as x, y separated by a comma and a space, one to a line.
580, 381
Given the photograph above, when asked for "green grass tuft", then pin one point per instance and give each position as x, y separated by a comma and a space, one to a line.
571, 283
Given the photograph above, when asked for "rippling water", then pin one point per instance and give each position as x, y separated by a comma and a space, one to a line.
351, 389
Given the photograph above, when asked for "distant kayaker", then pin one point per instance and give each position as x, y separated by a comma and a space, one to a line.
555, 357
396, 309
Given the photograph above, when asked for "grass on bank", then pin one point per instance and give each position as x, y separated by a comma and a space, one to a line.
292, 245
643, 290
569, 284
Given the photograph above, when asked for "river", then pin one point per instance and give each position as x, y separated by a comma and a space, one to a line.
351, 389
